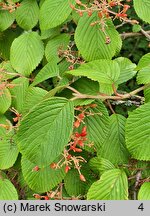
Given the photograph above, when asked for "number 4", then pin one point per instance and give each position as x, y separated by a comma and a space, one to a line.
141, 207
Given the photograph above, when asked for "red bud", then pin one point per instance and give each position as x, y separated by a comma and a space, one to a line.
67, 168
69, 157
90, 13
77, 124
37, 196
81, 116
77, 135
72, 6
77, 150
82, 178
80, 143
53, 165
80, 13
36, 168
93, 105
83, 133
46, 197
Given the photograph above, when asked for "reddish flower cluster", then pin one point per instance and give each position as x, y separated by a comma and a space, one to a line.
123, 13
39, 197
83, 114
36, 169
77, 143
79, 139
80, 118
105, 10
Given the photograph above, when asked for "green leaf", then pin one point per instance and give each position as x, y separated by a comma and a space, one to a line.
41, 2
142, 9
100, 165
45, 130
27, 14
97, 125
7, 145
15, 1
18, 93
50, 33
34, 95
143, 76
75, 17
127, 69
6, 39
5, 100
113, 185
49, 70
144, 192
114, 148
85, 86
26, 52
106, 72
28, 193
136, 28
43, 180
6, 20
54, 45
54, 91
147, 95
137, 133
53, 13
3, 175
83, 102
144, 61
63, 66
7, 190
7, 72
91, 41
73, 185
3, 120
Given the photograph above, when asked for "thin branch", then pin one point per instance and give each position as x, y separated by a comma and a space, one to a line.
79, 95
132, 22
74, 90
146, 34
135, 34
128, 95
110, 106
120, 25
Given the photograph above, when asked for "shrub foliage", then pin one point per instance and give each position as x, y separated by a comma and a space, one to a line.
74, 108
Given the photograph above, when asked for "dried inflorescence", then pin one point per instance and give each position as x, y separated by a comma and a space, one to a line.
105, 10
8, 125
9, 6
18, 115
56, 194
71, 56
4, 82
